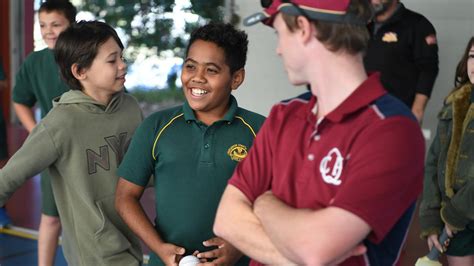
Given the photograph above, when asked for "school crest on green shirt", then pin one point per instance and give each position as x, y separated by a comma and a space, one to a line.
237, 152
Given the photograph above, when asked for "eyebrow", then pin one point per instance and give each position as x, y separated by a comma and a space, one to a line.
207, 64
112, 54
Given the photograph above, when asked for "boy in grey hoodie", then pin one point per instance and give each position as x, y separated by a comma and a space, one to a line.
81, 142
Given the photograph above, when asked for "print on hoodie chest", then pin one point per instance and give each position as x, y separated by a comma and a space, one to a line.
118, 145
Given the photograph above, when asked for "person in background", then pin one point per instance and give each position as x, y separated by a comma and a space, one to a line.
192, 151
448, 192
4, 218
81, 142
315, 187
39, 81
403, 48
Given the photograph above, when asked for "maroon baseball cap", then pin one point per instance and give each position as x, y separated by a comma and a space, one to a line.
325, 10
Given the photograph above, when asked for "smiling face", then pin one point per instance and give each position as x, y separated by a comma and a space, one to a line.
106, 75
51, 25
207, 81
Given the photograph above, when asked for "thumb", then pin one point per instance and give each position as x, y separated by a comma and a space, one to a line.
179, 250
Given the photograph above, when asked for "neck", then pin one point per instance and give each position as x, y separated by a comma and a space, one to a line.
101, 98
335, 80
388, 13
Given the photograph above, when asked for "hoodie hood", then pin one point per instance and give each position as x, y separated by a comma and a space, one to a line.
87, 103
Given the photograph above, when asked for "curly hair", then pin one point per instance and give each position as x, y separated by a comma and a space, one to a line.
234, 42
79, 44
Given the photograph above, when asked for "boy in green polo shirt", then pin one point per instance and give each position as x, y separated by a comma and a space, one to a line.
39, 81
192, 151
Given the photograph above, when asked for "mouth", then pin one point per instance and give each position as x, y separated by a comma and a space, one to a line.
122, 77
198, 92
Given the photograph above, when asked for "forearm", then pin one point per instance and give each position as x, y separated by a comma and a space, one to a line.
25, 115
237, 224
132, 213
419, 105
311, 237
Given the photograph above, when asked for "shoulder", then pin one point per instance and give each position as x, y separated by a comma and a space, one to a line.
251, 117
129, 100
294, 107
38, 55
389, 122
417, 19
164, 118
388, 106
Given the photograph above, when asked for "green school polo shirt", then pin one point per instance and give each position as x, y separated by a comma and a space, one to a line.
2, 72
191, 163
39, 80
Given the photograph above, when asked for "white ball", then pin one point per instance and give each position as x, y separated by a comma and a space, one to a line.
189, 260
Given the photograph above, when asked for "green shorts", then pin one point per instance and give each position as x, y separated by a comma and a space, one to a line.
48, 204
462, 244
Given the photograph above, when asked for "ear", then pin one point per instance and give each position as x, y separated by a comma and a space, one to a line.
306, 29
78, 72
237, 78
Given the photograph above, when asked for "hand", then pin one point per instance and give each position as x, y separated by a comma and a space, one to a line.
433, 241
357, 251
450, 231
418, 114
170, 254
224, 254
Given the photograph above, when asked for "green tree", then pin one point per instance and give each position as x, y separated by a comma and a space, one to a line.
149, 23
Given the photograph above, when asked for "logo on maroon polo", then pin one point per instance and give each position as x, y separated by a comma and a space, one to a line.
331, 167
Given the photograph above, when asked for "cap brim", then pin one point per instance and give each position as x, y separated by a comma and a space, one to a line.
255, 18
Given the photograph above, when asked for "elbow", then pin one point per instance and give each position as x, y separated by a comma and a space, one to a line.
119, 204
314, 256
219, 227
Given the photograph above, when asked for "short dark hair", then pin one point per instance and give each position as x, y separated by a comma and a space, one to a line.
462, 77
79, 44
337, 36
234, 42
61, 6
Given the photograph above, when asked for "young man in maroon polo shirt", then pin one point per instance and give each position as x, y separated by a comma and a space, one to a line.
332, 179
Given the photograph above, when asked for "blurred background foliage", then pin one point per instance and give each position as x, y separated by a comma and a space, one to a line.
150, 23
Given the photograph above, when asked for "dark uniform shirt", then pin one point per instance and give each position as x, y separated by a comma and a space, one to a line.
192, 163
39, 80
404, 49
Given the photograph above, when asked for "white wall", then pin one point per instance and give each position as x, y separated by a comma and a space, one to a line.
266, 82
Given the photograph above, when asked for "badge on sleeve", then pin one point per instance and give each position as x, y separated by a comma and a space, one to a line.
431, 39
390, 37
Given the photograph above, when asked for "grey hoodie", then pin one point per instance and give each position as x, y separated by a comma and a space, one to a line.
81, 142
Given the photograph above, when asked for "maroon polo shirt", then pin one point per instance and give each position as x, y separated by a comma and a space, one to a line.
362, 157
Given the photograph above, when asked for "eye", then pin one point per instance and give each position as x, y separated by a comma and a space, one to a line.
212, 71
189, 67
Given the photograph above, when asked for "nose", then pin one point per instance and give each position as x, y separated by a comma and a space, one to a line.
47, 29
199, 76
122, 63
